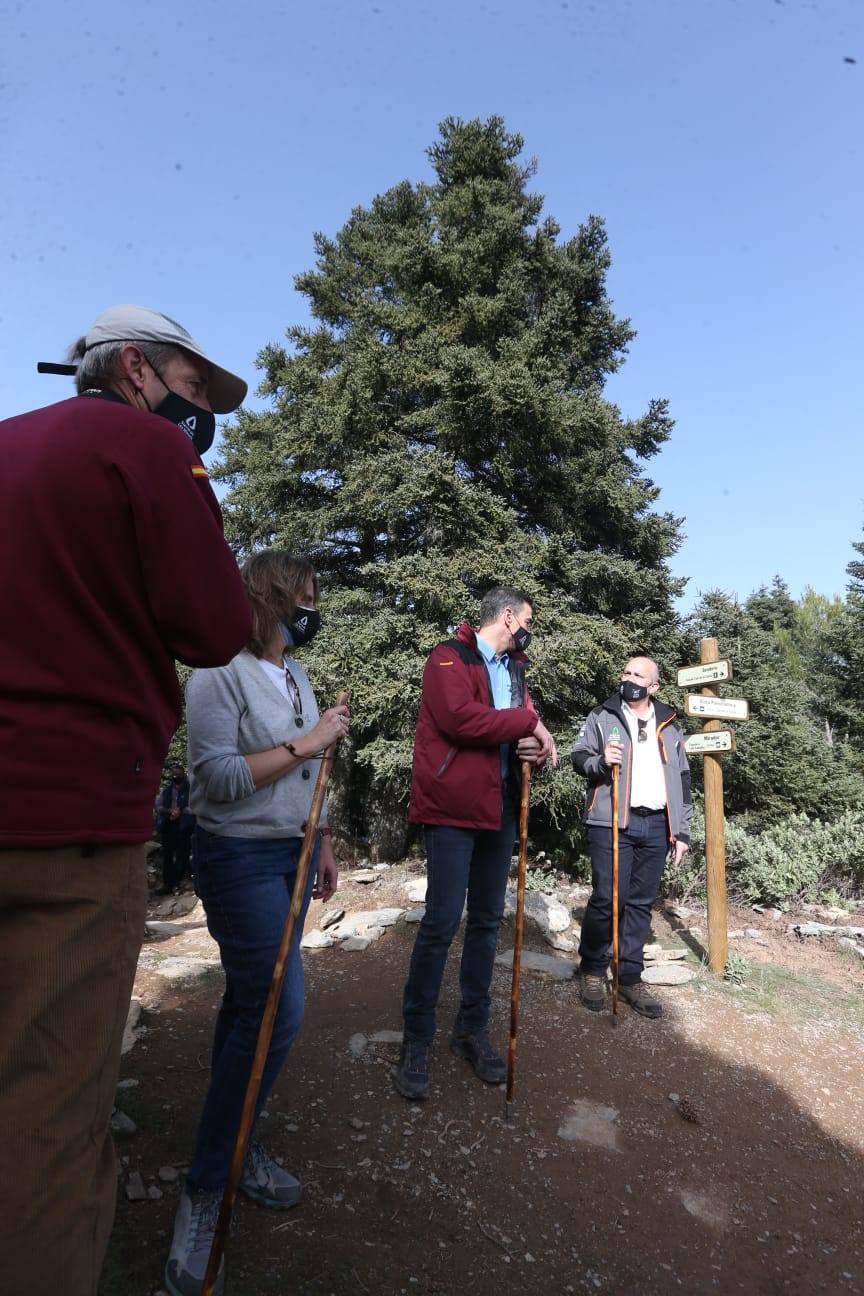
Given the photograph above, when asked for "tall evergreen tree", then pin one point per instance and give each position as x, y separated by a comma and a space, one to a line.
785, 759
441, 428
845, 663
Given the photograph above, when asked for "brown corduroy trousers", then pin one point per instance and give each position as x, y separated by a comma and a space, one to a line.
71, 926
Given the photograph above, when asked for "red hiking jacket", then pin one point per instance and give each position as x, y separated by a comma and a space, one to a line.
456, 772
112, 564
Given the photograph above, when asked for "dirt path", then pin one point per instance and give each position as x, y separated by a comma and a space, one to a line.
600, 1184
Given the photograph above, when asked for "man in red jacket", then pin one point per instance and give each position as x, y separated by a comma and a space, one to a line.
112, 564
475, 707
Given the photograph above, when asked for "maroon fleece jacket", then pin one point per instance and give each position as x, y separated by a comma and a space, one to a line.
112, 564
456, 770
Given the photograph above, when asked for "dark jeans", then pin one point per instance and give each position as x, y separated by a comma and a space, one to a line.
459, 861
245, 884
176, 847
642, 849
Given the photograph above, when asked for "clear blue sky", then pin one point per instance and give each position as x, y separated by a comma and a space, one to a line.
181, 156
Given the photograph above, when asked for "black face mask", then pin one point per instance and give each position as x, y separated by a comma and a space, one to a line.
198, 423
521, 637
303, 626
631, 692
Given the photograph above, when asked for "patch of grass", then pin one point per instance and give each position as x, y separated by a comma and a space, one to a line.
540, 879
789, 996
736, 969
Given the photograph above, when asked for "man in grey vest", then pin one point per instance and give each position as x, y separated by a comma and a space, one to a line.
638, 733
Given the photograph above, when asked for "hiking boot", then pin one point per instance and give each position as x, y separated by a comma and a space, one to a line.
194, 1225
641, 1000
411, 1077
592, 991
266, 1182
480, 1052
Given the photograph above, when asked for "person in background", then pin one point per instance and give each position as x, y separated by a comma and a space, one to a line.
255, 738
637, 732
476, 722
98, 495
175, 824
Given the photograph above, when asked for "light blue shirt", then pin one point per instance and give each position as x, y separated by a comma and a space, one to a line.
499, 679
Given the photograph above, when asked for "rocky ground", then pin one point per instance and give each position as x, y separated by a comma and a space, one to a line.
720, 1149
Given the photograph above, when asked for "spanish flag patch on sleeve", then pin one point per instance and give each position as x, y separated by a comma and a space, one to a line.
198, 470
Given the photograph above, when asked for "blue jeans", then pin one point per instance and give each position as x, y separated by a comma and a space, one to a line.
459, 861
245, 884
642, 849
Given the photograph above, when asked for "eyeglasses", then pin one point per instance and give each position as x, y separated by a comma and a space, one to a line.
294, 695
642, 735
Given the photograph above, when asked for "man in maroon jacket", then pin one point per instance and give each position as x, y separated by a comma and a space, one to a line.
475, 706
112, 564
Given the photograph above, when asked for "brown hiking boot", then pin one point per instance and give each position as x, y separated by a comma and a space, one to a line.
641, 1000
592, 991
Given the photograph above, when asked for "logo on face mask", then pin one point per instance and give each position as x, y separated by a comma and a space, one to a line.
198, 424
303, 628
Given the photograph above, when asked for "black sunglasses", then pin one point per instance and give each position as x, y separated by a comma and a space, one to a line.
642, 735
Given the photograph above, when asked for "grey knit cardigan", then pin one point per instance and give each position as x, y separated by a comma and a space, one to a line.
236, 710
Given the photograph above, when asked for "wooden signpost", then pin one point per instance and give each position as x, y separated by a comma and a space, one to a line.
711, 744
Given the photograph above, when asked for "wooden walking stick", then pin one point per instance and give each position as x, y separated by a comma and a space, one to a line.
616, 770
265, 1034
520, 927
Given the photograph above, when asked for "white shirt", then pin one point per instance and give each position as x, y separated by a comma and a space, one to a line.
647, 780
277, 675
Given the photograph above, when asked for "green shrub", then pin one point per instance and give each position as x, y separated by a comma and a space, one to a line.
796, 858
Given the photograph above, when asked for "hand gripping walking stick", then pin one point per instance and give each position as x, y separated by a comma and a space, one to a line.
265, 1034
520, 927
616, 770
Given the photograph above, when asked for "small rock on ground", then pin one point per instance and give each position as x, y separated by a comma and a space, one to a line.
316, 939
122, 1124
331, 918
135, 1190
547, 965
668, 974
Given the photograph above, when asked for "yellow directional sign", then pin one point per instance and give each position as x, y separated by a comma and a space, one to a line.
714, 708
702, 744
706, 673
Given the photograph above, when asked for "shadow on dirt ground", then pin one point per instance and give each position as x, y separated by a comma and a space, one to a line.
599, 1185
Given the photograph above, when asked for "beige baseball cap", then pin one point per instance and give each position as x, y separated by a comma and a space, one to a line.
225, 391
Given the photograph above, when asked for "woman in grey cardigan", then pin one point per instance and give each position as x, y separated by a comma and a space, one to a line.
255, 741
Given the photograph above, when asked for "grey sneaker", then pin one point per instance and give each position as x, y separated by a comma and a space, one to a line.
266, 1182
592, 991
411, 1076
194, 1225
480, 1052
641, 1000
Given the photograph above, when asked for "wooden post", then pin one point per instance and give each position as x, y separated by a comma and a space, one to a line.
715, 836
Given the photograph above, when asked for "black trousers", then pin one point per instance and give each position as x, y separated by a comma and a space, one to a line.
176, 846
642, 849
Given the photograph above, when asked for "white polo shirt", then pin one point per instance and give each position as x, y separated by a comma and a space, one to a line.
647, 780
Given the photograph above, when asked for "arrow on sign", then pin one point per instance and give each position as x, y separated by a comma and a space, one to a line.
702, 744
714, 708
706, 673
